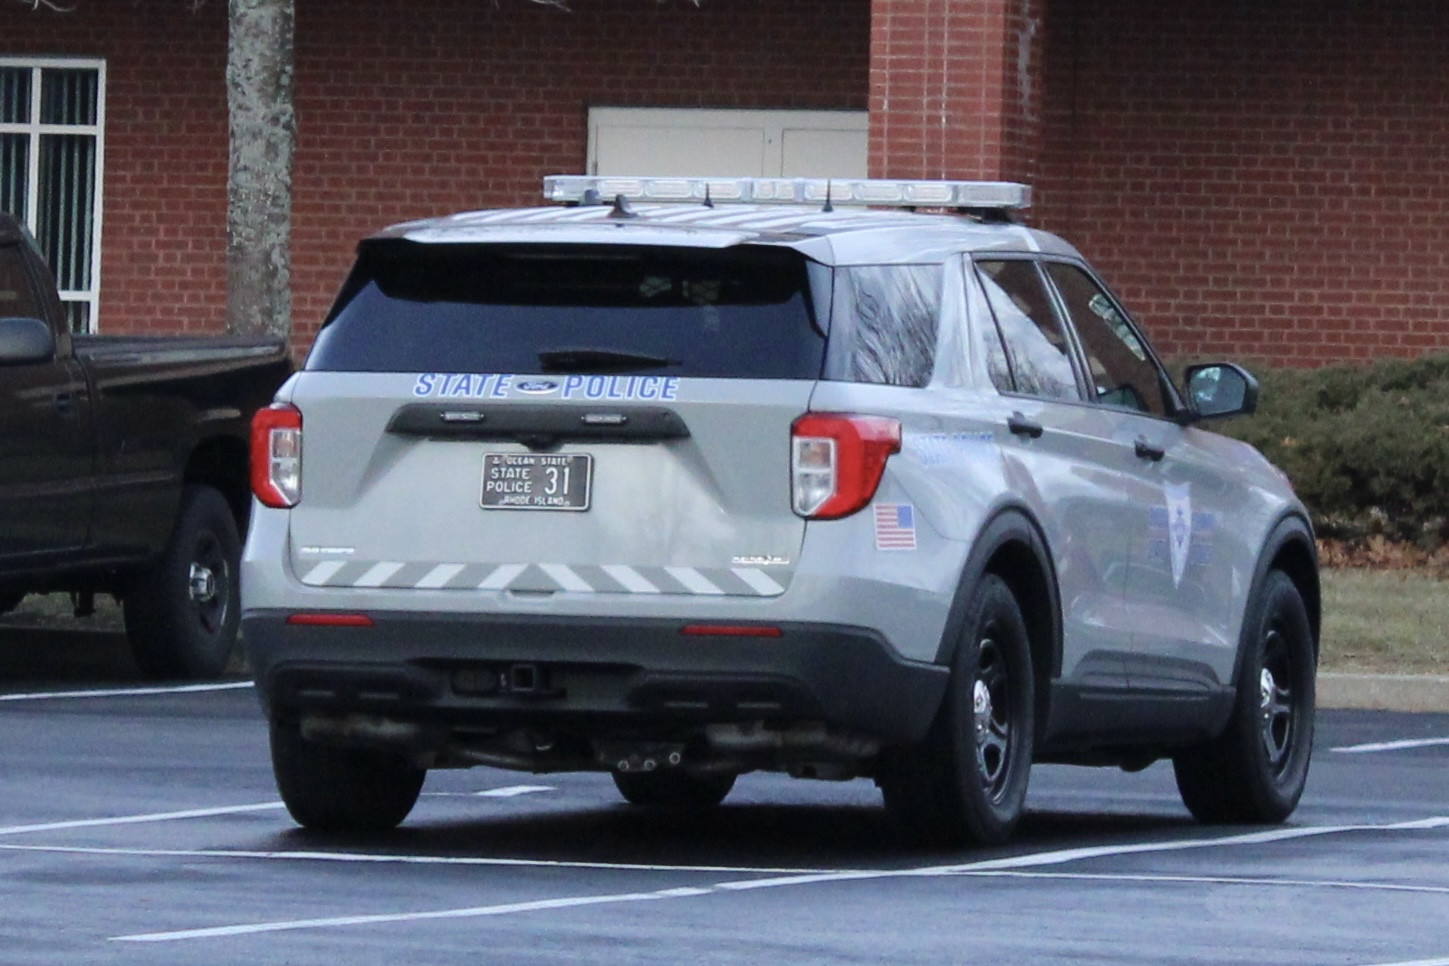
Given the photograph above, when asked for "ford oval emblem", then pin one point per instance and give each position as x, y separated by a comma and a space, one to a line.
536, 387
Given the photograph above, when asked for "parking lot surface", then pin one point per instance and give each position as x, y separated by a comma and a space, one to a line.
141, 825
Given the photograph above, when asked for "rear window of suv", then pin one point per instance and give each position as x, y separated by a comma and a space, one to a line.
742, 312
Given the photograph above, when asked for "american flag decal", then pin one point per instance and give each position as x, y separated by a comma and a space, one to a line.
895, 526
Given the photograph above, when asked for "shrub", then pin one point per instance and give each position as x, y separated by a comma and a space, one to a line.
1366, 446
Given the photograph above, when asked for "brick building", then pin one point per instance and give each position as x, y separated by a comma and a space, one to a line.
1260, 179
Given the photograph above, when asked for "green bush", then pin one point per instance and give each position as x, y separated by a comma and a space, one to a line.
1366, 446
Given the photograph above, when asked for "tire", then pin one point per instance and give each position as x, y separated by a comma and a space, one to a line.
332, 788
965, 783
1255, 771
182, 612
673, 789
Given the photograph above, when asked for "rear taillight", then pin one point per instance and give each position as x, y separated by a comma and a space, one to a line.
836, 461
277, 455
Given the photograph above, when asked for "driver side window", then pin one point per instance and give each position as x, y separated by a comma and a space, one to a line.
1122, 371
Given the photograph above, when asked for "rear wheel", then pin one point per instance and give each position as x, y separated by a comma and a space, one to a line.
331, 788
182, 612
673, 789
1255, 771
965, 783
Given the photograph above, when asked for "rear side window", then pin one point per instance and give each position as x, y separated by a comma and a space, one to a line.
724, 313
884, 323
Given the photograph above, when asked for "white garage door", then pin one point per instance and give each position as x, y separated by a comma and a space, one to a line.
789, 144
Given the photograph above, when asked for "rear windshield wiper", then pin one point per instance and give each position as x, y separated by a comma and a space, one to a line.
599, 360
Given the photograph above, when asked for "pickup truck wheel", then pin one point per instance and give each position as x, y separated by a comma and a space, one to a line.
332, 788
965, 783
673, 789
182, 612
1255, 771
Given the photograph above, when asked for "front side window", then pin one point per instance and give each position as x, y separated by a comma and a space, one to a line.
1038, 357
52, 116
1123, 372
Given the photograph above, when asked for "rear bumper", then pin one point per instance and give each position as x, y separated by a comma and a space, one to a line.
589, 673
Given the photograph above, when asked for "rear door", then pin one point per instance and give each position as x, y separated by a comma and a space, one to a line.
536, 419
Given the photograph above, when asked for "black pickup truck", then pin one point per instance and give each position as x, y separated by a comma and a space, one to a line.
124, 468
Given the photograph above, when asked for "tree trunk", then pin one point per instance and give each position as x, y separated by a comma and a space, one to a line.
259, 182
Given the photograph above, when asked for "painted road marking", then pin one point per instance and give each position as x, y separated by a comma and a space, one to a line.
796, 878
1419, 962
371, 858
127, 692
139, 819
1392, 746
513, 791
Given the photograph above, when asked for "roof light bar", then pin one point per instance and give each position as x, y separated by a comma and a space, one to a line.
585, 189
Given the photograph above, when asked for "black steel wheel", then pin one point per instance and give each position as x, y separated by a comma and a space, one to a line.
1255, 771
332, 788
673, 789
183, 611
965, 784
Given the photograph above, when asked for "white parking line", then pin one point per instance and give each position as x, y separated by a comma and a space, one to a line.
796, 878
383, 859
127, 692
1212, 880
513, 791
1391, 745
1444, 961
139, 819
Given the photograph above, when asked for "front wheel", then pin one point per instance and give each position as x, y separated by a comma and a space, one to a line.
332, 788
182, 612
1255, 771
965, 783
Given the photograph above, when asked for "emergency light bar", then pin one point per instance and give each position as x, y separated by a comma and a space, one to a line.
591, 189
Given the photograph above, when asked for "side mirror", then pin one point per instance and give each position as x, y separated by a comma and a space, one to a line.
25, 341
1220, 389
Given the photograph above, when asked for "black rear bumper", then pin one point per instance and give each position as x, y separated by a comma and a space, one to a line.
509, 670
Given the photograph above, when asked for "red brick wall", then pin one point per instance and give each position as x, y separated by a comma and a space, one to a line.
1258, 179
955, 89
405, 109
1255, 179
412, 108
163, 254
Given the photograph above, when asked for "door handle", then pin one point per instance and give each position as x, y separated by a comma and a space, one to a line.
1147, 451
1021, 426
65, 403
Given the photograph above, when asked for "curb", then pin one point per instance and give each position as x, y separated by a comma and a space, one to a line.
1384, 692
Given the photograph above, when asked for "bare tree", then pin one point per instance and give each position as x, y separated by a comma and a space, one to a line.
259, 183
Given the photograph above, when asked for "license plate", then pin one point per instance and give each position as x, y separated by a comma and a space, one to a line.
536, 481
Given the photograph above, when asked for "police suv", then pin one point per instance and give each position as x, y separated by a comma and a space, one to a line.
685, 478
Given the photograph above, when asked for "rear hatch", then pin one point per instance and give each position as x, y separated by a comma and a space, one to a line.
544, 418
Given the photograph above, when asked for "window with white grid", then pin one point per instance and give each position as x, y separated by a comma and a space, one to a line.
52, 150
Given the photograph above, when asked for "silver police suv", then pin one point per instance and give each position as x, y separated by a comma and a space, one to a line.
685, 478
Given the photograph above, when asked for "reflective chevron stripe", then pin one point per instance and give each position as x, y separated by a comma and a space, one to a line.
552, 577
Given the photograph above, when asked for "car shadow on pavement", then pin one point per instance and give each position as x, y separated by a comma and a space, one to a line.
47, 657
749, 835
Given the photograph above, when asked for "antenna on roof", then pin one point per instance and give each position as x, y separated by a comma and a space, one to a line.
828, 205
707, 202
621, 208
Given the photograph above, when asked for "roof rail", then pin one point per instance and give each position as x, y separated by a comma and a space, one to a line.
973, 196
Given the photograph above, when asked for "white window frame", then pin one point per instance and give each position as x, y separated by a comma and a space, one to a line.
33, 129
